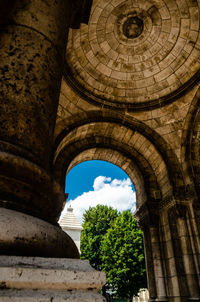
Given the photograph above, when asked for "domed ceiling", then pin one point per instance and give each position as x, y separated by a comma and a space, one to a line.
134, 54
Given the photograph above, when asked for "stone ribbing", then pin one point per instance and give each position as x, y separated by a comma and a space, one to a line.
145, 69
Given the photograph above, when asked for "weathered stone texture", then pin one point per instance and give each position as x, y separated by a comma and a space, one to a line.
134, 71
33, 37
47, 279
25, 235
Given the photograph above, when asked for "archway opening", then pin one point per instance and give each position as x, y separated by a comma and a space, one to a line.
96, 182
99, 182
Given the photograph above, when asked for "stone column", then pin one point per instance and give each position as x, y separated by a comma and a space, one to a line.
157, 263
195, 219
33, 36
144, 219
180, 225
149, 261
171, 236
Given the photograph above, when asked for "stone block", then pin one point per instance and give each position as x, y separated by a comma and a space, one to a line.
31, 279
49, 296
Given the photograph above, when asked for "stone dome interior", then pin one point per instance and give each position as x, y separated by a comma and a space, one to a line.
135, 54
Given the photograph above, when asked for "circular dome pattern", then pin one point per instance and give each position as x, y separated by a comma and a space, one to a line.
133, 27
135, 53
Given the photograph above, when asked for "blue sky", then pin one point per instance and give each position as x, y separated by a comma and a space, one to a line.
98, 182
81, 178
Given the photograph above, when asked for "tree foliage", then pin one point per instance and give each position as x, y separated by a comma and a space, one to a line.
122, 255
112, 242
96, 221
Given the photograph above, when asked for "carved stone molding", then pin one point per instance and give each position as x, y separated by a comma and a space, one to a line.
147, 215
182, 194
185, 192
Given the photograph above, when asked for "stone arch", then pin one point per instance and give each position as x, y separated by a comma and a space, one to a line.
191, 144
168, 155
99, 142
120, 160
128, 142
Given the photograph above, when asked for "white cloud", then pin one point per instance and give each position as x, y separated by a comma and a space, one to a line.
115, 193
99, 182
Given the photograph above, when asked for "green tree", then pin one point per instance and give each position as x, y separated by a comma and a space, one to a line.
96, 221
122, 255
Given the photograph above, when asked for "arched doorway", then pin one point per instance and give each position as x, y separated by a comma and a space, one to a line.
102, 191
94, 182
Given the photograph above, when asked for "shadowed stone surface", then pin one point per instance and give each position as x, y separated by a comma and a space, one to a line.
33, 37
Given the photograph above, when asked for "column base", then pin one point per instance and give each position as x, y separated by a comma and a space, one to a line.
34, 279
24, 235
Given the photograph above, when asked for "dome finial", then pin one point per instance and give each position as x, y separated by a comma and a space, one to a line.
70, 209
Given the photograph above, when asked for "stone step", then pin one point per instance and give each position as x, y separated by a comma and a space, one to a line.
49, 296
31, 279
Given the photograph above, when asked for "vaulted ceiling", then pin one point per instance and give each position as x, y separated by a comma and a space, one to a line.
130, 94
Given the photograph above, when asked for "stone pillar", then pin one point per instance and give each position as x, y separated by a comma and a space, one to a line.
171, 236
157, 264
149, 223
33, 36
184, 254
149, 261
195, 222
